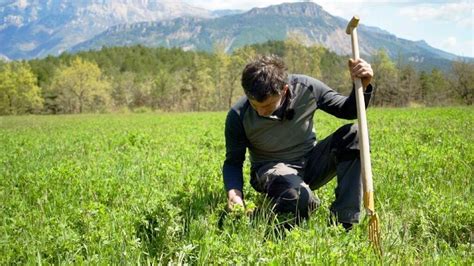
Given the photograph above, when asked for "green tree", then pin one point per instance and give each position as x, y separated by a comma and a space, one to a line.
463, 81
441, 89
123, 86
162, 90
434, 88
140, 94
302, 59
238, 60
385, 81
19, 92
81, 87
220, 75
334, 71
409, 85
201, 85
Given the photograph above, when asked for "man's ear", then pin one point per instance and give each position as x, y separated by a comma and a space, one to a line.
285, 89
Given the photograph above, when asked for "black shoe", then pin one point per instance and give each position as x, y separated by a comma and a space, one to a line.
333, 221
347, 226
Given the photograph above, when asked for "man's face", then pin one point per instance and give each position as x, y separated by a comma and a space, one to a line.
269, 105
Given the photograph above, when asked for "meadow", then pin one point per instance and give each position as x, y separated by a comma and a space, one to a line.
147, 189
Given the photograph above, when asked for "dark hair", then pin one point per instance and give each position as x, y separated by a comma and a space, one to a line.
264, 76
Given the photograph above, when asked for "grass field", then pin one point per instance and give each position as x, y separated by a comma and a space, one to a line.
147, 188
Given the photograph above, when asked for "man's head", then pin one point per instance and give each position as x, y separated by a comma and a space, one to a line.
265, 83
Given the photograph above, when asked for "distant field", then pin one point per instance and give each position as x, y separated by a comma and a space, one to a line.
143, 188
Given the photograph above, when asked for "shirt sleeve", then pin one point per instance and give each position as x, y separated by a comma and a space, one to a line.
336, 104
236, 145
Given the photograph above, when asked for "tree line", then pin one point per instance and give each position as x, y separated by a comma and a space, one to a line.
138, 78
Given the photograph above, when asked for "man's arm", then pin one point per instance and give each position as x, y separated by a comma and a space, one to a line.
339, 105
236, 145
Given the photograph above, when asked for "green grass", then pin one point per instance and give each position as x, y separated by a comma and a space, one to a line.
147, 188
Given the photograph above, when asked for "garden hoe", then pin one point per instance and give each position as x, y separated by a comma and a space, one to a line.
366, 168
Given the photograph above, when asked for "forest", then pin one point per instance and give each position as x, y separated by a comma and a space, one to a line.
143, 79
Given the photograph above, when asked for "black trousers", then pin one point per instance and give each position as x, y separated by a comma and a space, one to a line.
289, 184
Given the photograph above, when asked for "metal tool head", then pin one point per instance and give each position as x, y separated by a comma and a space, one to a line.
374, 234
352, 24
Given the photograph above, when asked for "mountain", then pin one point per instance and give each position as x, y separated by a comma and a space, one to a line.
226, 12
36, 28
307, 20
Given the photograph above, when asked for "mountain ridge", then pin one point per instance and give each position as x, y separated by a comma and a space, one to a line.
26, 33
277, 22
35, 28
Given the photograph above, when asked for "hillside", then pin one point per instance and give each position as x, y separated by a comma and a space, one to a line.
307, 21
34, 28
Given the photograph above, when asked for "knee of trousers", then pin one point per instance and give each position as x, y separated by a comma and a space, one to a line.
346, 142
296, 199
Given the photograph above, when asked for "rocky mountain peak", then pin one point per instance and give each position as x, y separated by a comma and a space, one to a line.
35, 28
307, 9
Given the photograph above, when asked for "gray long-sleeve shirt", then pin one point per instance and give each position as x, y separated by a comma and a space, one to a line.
289, 134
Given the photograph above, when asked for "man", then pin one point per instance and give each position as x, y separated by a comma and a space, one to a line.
274, 121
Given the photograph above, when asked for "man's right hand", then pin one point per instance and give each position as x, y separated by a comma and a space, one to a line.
234, 197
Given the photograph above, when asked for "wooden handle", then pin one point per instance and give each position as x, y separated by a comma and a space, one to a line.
366, 167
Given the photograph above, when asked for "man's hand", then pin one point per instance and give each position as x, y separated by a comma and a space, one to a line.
361, 69
234, 197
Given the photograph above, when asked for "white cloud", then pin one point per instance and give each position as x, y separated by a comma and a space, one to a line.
466, 48
471, 52
456, 46
450, 42
363, 8
460, 12
467, 22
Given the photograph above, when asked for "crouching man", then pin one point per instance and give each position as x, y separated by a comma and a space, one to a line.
274, 121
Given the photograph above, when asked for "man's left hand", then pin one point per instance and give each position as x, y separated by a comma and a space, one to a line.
361, 69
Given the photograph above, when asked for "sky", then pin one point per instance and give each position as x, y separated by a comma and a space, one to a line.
447, 25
